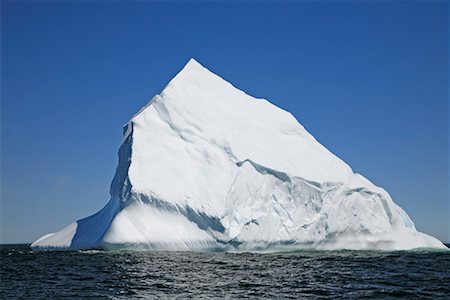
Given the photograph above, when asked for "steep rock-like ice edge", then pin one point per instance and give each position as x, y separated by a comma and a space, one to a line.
206, 167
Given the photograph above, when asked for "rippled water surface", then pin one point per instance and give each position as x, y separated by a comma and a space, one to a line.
306, 274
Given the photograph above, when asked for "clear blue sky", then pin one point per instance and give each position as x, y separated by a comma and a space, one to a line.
368, 79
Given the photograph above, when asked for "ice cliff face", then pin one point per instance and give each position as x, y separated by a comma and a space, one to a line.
204, 166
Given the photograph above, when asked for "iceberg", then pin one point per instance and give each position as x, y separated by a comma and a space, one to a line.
206, 167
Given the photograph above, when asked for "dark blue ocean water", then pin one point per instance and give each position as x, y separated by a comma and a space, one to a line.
306, 274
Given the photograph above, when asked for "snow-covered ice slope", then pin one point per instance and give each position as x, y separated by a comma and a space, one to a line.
205, 166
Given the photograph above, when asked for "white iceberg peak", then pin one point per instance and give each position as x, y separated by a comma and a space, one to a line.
194, 64
205, 166
193, 69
